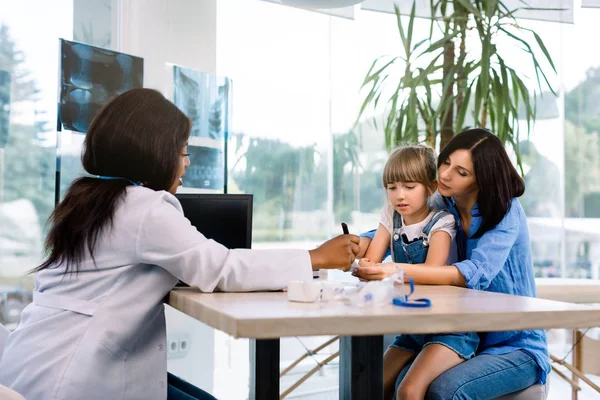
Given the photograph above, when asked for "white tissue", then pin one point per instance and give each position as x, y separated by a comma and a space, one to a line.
312, 292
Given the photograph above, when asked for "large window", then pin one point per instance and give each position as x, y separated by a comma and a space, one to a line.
297, 76
281, 139
28, 82
562, 157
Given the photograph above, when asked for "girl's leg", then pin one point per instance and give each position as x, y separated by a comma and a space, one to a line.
431, 362
486, 376
394, 360
401, 378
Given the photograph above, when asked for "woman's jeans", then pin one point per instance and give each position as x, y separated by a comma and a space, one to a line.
485, 376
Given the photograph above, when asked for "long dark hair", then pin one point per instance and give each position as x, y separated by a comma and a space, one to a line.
498, 180
138, 136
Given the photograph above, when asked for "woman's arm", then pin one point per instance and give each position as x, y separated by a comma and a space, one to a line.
486, 260
421, 273
491, 251
365, 241
432, 272
167, 239
379, 245
435, 271
428, 275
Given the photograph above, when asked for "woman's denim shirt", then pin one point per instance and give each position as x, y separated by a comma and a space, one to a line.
500, 261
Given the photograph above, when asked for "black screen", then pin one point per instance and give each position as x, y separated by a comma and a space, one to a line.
225, 218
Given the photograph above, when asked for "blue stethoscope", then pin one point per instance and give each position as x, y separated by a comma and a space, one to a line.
405, 302
110, 178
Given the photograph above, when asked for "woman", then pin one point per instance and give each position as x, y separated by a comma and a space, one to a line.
118, 243
479, 185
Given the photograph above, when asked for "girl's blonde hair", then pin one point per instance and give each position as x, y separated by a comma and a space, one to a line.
411, 164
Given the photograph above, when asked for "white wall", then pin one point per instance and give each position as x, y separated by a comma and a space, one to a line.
93, 22
181, 32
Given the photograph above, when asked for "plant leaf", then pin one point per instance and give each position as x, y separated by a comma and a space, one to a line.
491, 8
469, 6
462, 112
478, 102
375, 75
411, 23
440, 43
401, 31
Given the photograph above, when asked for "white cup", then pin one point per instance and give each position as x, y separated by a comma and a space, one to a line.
305, 292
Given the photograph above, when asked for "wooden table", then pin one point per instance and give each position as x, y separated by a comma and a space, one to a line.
570, 290
266, 317
584, 291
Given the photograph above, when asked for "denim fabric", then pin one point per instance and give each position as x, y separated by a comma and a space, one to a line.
483, 377
500, 261
415, 252
463, 344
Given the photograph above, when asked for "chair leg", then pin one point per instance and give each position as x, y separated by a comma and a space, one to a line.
309, 374
577, 374
574, 386
308, 353
577, 355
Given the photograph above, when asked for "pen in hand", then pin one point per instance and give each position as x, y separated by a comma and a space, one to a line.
354, 265
345, 228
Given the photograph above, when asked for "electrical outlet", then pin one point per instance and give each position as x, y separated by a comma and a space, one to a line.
172, 347
183, 345
178, 345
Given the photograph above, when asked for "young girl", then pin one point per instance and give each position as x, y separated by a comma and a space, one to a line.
480, 187
416, 234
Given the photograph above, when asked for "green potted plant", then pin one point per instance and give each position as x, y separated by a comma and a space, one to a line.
457, 73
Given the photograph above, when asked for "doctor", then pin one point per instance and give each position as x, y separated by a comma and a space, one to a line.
118, 243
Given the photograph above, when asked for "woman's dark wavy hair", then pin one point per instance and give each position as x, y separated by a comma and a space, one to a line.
498, 180
138, 136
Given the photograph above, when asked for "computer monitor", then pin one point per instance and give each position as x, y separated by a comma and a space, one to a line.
225, 218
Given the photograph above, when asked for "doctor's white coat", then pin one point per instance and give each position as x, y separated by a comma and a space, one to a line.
100, 334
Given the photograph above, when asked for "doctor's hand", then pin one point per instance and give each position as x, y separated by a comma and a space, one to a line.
369, 271
338, 252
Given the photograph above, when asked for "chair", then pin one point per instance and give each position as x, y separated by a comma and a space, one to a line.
535, 392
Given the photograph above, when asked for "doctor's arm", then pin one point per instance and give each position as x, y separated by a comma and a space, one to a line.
167, 239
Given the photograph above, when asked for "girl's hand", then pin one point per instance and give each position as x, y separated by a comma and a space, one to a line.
365, 262
375, 272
